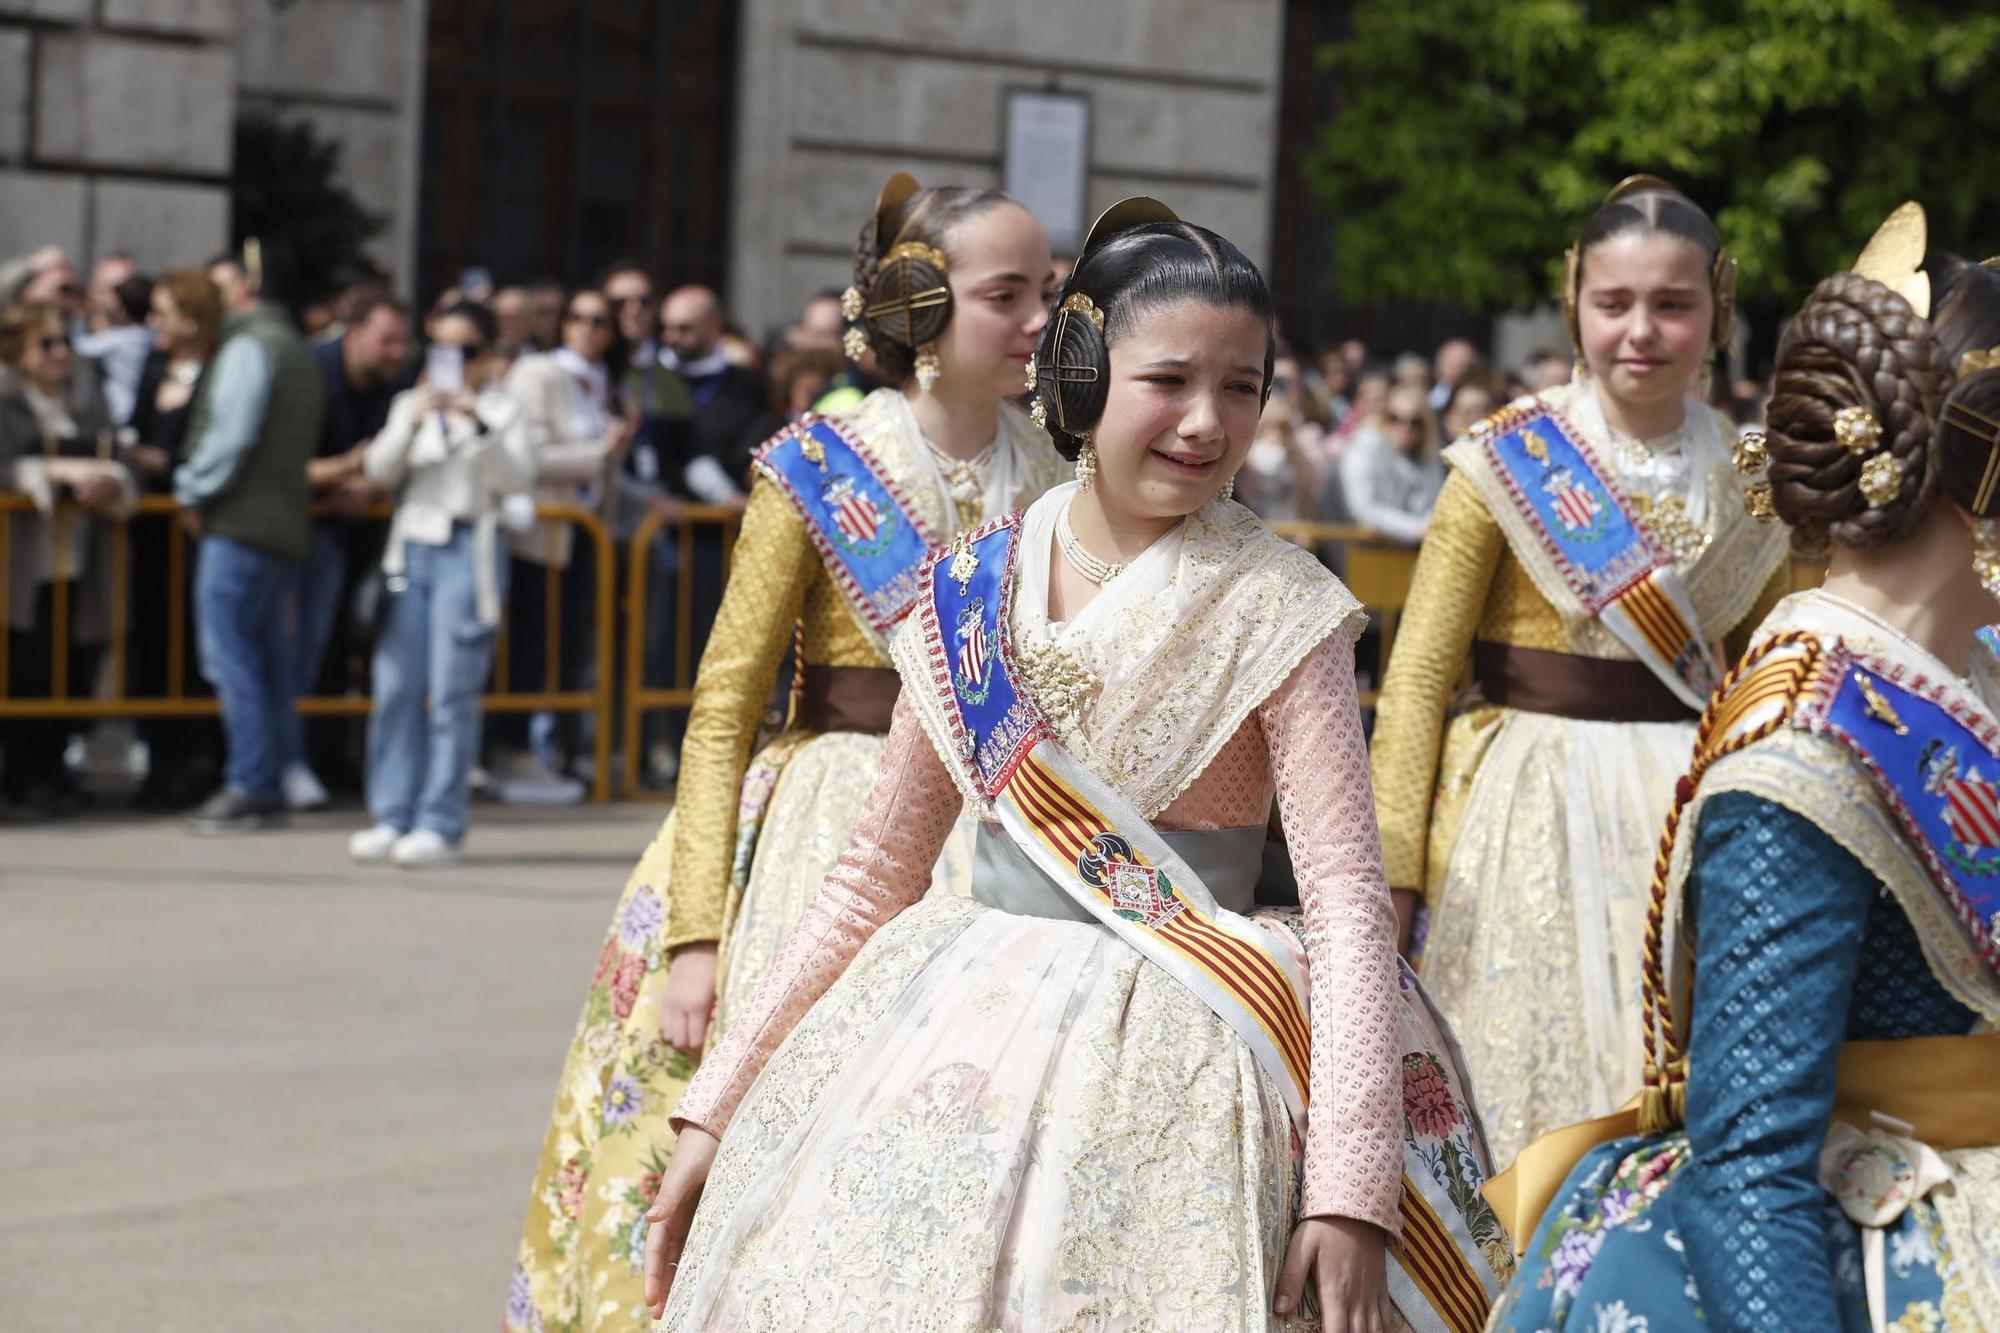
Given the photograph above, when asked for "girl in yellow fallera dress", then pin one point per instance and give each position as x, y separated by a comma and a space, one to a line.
951, 293
1590, 558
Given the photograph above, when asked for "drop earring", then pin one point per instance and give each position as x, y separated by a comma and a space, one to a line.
927, 366
1986, 555
1086, 464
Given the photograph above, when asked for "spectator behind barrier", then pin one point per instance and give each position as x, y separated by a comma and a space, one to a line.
453, 454
55, 447
116, 336
256, 419
183, 753
360, 372
729, 414
1390, 474
579, 429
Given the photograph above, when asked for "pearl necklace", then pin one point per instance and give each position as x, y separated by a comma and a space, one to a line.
1097, 571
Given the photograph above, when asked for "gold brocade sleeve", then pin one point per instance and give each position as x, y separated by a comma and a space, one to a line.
1462, 550
1736, 641
773, 567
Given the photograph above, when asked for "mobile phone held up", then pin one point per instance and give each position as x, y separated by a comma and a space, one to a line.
444, 368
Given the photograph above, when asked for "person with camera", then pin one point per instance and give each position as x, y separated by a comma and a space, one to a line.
454, 448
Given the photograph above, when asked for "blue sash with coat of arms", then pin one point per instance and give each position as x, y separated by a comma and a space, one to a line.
871, 538
1936, 767
1604, 556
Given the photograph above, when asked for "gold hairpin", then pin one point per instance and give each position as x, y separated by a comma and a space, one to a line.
929, 254
1977, 360
1856, 429
1086, 307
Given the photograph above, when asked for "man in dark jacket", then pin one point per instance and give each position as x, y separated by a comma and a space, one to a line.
255, 424
730, 412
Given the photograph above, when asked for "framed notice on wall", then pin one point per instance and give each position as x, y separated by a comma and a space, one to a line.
1047, 160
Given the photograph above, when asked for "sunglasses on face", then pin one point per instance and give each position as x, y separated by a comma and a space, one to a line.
595, 321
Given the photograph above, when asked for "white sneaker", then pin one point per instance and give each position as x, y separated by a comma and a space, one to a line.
424, 850
372, 846
523, 779
303, 791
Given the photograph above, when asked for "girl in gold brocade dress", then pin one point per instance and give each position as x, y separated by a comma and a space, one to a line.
1588, 556
951, 292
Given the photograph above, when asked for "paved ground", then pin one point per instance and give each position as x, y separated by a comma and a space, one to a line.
246, 1085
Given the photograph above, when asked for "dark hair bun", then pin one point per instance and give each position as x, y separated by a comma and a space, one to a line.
1966, 317
1072, 372
909, 302
899, 270
1855, 344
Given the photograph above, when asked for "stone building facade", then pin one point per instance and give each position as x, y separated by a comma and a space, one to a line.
116, 116
835, 94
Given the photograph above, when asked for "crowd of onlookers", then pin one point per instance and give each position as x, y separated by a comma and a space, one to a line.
282, 433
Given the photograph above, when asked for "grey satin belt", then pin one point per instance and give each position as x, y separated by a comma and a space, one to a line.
1227, 861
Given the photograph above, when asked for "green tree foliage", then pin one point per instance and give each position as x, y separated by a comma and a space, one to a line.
286, 191
1474, 136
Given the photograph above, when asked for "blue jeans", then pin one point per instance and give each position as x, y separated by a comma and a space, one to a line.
247, 632
319, 581
431, 643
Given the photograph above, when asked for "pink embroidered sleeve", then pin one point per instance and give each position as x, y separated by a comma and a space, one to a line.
903, 826
1319, 759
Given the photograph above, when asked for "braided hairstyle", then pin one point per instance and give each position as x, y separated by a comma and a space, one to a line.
928, 217
1858, 344
1134, 271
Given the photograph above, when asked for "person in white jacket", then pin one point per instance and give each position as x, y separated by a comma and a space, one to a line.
454, 453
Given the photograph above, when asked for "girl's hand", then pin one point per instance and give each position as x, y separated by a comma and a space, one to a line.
1347, 1262
672, 1212
688, 999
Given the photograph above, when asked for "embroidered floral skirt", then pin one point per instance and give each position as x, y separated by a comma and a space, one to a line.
1534, 943
995, 1121
816, 797
578, 1264
1608, 1259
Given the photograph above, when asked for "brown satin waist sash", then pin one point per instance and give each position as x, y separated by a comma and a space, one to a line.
1589, 689
847, 698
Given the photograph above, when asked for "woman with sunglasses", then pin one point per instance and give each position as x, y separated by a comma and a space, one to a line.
950, 292
55, 449
452, 453
1590, 558
1388, 478
579, 427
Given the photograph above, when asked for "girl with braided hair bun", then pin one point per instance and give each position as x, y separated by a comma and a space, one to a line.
951, 291
1591, 561
1102, 1091
1818, 1144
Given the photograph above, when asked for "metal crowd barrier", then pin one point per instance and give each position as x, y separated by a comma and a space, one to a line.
113, 702
1376, 569
678, 694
